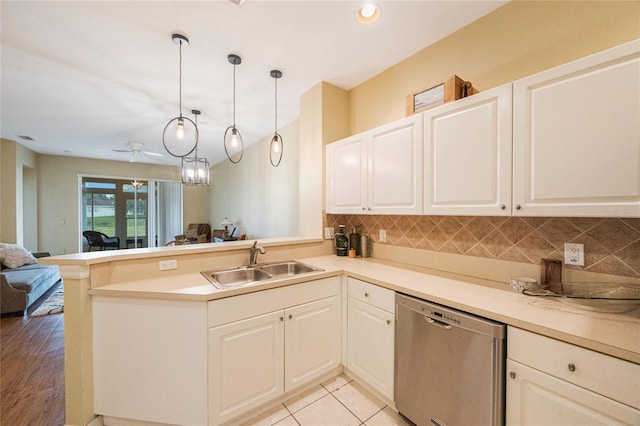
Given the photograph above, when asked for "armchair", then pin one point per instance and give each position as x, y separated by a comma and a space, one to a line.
198, 233
98, 239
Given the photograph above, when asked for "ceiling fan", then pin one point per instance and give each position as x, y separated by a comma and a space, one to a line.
136, 149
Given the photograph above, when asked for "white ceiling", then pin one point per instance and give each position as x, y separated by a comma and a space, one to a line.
85, 77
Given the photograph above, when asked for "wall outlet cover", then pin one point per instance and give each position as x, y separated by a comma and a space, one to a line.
168, 264
574, 254
329, 233
382, 236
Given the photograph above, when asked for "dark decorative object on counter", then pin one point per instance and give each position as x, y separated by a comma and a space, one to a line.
342, 242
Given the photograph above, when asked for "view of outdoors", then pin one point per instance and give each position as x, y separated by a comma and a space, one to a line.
115, 208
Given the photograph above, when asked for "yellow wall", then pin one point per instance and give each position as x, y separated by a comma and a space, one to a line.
516, 40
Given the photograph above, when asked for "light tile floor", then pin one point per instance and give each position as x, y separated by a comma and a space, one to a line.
337, 402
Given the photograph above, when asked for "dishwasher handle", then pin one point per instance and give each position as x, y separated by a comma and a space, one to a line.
437, 322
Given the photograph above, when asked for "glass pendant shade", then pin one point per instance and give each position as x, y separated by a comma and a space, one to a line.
195, 171
233, 144
277, 145
180, 135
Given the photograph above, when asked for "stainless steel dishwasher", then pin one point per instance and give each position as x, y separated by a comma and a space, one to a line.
449, 365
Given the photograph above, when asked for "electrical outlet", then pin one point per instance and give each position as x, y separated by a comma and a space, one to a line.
574, 254
328, 233
382, 236
168, 264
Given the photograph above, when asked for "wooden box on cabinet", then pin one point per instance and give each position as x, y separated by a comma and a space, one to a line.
446, 91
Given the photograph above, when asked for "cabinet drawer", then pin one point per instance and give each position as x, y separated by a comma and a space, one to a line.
612, 377
224, 311
372, 294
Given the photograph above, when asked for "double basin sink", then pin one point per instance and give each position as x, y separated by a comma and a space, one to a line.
248, 275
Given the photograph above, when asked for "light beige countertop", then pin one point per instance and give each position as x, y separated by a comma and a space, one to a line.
613, 334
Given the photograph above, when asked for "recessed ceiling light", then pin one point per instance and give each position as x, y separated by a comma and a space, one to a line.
368, 13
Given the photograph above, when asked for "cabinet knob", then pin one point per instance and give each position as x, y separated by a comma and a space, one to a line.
290, 316
363, 208
512, 374
281, 318
366, 295
369, 208
388, 322
503, 207
518, 207
571, 367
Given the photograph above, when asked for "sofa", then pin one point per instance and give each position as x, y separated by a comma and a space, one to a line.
21, 286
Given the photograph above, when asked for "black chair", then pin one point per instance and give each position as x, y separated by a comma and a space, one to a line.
98, 239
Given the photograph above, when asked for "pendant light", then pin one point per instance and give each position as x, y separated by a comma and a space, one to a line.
233, 145
195, 170
276, 146
180, 135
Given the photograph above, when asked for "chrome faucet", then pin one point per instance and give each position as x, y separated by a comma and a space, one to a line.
253, 253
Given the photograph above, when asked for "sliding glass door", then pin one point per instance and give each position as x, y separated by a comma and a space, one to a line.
141, 213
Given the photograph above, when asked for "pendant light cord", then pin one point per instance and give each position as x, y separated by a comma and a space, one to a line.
180, 79
276, 103
234, 95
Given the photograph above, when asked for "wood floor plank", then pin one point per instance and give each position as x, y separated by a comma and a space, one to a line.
32, 370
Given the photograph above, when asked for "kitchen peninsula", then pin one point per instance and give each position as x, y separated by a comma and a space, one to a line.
133, 277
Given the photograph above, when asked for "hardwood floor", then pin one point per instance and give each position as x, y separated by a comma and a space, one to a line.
32, 370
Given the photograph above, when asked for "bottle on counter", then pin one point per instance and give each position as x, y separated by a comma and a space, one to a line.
342, 242
354, 241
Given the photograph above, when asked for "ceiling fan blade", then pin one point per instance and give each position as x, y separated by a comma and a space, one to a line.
152, 154
121, 150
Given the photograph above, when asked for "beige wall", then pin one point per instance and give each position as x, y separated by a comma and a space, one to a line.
8, 177
58, 203
516, 40
16, 162
261, 200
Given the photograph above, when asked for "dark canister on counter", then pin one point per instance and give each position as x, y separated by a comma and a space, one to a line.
342, 242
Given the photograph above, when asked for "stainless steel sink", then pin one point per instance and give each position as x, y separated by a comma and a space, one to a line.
236, 277
249, 275
288, 268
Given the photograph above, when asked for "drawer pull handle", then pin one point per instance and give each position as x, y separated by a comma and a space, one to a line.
503, 207
518, 207
366, 295
572, 367
512, 374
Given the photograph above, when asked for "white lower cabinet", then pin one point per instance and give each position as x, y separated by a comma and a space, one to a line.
555, 383
264, 344
246, 368
370, 335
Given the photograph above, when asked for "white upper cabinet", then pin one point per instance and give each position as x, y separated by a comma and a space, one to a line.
377, 172
395, 168
467, 155
347, 175
576, 137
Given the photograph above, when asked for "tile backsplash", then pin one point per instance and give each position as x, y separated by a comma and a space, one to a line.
612, 245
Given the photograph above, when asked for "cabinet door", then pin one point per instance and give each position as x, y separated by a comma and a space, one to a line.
312, 341
395, 168
577, 137
370, 351
346, 175
536, 398
467, 155
245, 365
